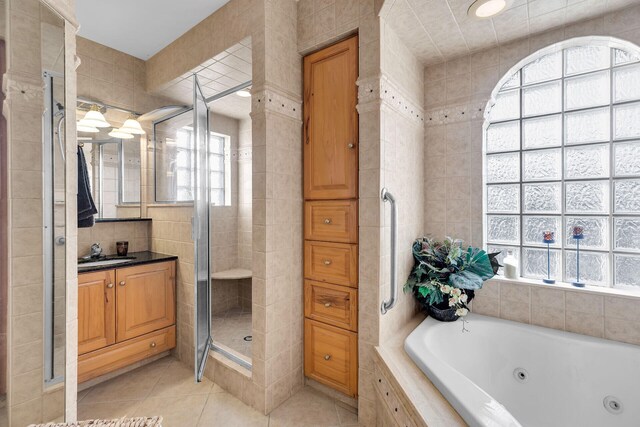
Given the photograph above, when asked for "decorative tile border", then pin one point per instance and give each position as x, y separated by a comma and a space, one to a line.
244, 154
271, 100
381, 88
473, 110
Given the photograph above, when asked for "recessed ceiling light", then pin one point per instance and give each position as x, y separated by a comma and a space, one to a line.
486, 8
243, 93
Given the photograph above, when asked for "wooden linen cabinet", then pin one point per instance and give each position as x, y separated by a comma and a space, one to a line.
330, 145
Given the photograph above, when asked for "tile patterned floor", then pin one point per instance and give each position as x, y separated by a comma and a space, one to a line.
166, 387
230, 328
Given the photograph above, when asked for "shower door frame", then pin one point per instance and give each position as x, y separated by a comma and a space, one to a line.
48, 239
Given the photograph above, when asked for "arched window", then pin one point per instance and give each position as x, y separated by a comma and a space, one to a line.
562, 149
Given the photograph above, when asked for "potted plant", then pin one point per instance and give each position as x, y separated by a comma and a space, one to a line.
446, 275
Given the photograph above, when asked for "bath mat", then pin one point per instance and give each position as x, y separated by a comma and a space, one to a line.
122, 422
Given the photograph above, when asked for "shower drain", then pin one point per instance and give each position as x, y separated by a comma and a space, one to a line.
248, 338
613, 405
521, 375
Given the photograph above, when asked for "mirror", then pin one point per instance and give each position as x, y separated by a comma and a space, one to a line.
113, 164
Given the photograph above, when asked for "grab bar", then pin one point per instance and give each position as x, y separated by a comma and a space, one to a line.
391, 302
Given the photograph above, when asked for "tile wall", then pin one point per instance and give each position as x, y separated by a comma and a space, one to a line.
456, 94
28, 400
113, 77
137, 233
590, 313
402, 151
171, 235
224, 219
245, 195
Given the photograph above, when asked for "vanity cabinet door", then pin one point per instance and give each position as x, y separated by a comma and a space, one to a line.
331, 122
146, 299
96, 310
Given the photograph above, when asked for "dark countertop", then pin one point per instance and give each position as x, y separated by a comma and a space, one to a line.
146, 257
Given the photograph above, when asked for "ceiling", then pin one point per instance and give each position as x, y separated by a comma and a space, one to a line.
438, 30
222, 72
140, 27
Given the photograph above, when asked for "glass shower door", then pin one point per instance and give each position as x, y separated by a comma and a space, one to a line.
54, 228
201, 224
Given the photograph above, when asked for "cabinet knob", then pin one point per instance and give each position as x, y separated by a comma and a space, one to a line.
327, 356
327, 220
327, 262
153, 344
351, 145
122, 283
327, 304
110, 285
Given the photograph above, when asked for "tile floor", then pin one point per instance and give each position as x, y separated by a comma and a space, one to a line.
166, 387
230, 327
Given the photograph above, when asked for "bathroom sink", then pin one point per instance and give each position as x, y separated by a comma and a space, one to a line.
105, 261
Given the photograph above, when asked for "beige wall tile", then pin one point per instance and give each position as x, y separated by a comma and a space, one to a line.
583, 323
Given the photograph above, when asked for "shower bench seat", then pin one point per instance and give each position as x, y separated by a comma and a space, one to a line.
232, 274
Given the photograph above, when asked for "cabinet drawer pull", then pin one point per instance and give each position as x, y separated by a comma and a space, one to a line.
327, 304
327, 357
153, 344
110, 285
327, 221
122, 283
351, 146
327, 262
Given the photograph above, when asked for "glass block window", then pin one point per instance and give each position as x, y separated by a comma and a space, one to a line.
562, 149
219, 167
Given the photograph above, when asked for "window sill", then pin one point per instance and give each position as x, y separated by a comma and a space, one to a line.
597, 290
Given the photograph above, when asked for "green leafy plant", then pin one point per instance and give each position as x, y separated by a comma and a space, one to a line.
446, 275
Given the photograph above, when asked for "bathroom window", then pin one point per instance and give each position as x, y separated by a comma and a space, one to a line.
175, 163
562, 149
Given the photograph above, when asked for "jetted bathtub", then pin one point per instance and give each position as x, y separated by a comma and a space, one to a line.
502, 373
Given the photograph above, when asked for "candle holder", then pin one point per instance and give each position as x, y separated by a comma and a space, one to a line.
548, 239
577, 236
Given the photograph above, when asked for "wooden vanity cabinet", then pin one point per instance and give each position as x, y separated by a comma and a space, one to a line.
330, 146
124, 315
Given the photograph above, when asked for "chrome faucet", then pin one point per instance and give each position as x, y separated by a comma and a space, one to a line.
95, 251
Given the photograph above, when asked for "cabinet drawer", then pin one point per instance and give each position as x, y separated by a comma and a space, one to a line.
112, 358
336, 305
330, 356
333, 221
331, 262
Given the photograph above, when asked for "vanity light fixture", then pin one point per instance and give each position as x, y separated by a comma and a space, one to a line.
85, 128
132, 126
486, 8
94, 118
243, 93
120, 134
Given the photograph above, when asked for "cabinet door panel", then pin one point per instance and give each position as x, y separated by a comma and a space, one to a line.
96, 310
331, 122
146, 299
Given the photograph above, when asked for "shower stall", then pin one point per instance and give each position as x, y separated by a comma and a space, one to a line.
196, 161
